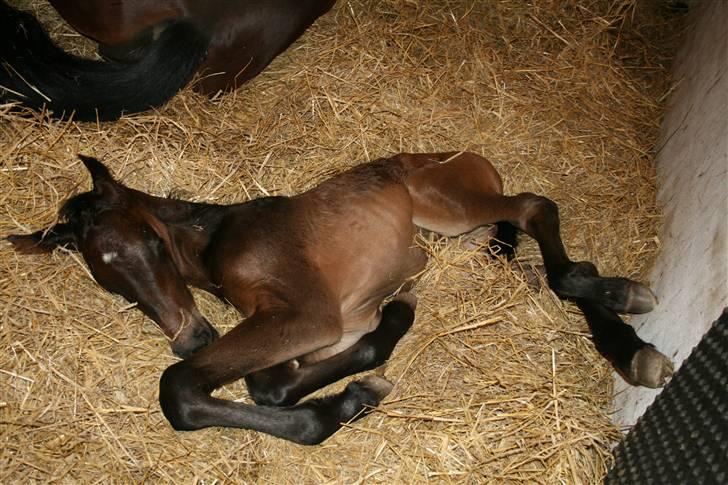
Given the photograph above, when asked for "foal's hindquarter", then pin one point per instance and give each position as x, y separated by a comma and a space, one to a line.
309, 274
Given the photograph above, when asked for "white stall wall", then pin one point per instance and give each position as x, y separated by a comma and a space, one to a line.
690, 276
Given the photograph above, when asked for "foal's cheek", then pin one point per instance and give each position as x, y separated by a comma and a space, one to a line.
101, 273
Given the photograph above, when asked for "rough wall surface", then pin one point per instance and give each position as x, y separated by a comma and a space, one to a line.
690, 277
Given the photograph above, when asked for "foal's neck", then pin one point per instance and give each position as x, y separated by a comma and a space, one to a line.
190, 226
174, 211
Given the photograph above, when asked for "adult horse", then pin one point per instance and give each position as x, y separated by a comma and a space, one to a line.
309, 274
152, 48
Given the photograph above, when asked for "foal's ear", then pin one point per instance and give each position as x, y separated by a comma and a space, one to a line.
44, 241
103, 182
163, 233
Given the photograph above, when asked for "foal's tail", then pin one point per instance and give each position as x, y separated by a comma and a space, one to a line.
35, 72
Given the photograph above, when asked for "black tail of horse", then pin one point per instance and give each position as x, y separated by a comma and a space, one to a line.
35, 72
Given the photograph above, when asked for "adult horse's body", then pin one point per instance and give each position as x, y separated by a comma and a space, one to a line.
309, 274
153, 49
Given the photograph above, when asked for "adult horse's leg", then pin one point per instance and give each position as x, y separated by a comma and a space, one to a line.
185, 387
460, 195
285, 384
247, 36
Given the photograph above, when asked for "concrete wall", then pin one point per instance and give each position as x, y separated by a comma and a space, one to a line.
690, 276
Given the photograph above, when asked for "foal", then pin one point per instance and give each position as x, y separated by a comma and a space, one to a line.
309, 274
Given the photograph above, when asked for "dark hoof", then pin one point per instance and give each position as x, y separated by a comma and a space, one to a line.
625, 296
650, 368
640, 299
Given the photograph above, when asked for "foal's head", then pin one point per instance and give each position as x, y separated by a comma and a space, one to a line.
130, 252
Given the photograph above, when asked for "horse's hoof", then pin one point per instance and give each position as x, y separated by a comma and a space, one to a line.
650, 368
624, 296
640, 299
378, 385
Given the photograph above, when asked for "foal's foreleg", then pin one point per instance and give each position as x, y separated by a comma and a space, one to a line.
285, 384
264, 340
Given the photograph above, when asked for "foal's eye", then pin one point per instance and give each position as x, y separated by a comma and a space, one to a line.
153, 241
158, 247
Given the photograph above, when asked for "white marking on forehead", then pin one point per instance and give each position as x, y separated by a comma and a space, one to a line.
109, 257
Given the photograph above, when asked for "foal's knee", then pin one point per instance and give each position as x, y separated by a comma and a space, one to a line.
178, 392
275, 397
275, 386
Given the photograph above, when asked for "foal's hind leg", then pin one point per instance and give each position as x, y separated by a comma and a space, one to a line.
539, 218
458, 196
285, 384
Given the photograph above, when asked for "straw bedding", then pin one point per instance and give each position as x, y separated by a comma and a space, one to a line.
498, 382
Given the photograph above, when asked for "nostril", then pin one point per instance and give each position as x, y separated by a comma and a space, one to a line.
193, 338
206, 333
182, 351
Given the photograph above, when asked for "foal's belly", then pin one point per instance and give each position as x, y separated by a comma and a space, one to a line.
365, 252
364, 283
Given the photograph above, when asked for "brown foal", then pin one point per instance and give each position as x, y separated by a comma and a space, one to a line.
309, 275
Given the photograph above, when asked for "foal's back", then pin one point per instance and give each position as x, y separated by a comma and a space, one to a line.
359, 230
